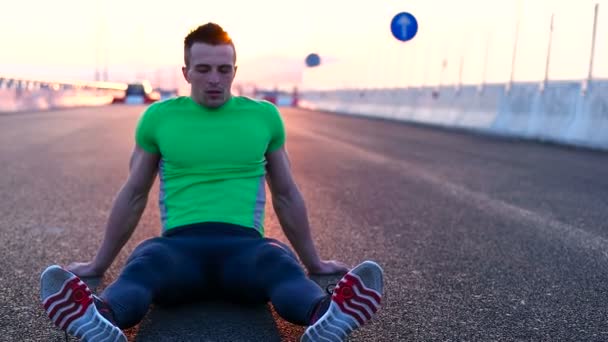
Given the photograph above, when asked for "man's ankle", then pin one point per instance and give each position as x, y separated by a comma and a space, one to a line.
320, 309
104, 309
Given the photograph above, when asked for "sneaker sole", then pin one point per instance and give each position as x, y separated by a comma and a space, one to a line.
346, 315
68, 302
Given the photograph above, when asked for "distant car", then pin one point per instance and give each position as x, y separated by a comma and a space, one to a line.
138, 93
167, 93
268, 95
277, 97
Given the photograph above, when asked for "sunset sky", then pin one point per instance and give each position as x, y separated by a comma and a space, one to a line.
137, 39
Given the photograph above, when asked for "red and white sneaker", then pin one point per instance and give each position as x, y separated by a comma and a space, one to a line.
69, 304
354, 301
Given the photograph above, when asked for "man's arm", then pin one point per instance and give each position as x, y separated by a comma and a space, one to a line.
126, 212
290, 208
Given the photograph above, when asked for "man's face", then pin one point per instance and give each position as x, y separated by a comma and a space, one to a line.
210, 73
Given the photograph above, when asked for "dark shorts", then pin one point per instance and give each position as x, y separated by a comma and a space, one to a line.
212, 261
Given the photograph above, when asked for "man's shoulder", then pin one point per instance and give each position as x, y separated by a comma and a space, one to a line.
252, 103
158, 109
171, 103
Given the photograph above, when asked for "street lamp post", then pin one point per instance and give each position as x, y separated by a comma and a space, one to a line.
546, 79
587, 84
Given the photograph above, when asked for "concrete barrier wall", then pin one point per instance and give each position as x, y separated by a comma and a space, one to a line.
19, 94
562, 112
17, 100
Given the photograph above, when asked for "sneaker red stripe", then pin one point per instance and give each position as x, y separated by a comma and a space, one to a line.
73, 307
79, 292
80, 307
371, 304
366, 304
79, 314
354, 301
60, 305
80, 296
70, 305
360, 291
367, 312
58, 296
362, 288
347, 307
350, 312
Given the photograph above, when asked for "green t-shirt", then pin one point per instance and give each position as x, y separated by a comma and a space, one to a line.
212, 166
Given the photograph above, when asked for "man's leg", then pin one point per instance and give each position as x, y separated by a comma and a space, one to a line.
160, 269
263, 270
268, 270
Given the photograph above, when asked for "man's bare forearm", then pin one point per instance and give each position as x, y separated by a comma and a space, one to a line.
124, 216
291, 212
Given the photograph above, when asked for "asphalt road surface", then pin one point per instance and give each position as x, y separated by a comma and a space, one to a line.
481, 239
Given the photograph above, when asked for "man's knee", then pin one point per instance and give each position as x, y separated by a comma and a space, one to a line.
129, 302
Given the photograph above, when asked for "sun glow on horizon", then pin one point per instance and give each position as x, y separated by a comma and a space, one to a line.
139, 38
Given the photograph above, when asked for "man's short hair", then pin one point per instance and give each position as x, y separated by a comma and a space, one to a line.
210, 33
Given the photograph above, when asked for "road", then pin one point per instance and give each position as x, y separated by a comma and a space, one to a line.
481, 239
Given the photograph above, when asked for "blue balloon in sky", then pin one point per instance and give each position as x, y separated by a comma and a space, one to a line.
404, 26
313, 60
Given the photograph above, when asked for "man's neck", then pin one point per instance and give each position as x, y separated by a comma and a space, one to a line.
230, 96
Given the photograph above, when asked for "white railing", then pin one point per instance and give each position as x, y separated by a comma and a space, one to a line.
19, 94
571, 113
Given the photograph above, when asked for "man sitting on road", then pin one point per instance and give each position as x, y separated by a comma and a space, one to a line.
213, 153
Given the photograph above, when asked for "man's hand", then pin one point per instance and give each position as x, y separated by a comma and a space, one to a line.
328, 267
85, 269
